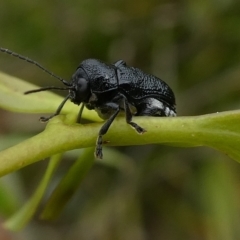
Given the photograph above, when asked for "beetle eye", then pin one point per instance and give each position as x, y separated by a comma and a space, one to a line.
82, 85
82, 89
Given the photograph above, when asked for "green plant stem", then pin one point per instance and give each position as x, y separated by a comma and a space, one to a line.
220, 131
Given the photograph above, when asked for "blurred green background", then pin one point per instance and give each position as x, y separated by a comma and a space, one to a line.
152, 192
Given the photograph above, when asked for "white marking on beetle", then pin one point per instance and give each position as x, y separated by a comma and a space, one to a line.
154, 103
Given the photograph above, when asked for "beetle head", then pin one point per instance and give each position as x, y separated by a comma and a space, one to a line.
80, 89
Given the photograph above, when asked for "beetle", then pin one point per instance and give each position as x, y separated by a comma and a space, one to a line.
109, 89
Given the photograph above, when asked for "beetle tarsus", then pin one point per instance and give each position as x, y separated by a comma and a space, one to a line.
45, 119
98, 150
139, 129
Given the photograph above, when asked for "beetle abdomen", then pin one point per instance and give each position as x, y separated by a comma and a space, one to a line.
138, 85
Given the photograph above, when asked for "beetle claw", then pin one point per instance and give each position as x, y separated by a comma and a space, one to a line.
98, 152
44, 119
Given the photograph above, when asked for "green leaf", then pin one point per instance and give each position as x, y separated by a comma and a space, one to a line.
25, 214
68, 185
9, 202
12, 98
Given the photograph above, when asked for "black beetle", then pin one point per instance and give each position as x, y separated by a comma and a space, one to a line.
111, 88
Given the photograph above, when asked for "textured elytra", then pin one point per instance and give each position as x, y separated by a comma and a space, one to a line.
139, 85
102, 76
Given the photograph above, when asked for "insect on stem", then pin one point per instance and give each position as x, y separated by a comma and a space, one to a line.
109, 89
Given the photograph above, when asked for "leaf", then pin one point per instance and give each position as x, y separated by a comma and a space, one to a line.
24, 215
9, 202
12, 98
68, 185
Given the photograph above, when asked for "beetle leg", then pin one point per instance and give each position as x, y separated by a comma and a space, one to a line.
128, 113
45, 119
80, 113
103, 131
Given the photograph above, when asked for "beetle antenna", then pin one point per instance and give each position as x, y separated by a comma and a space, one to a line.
34, 63
46, 88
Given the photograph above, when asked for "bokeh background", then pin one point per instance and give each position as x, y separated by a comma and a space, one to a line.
159, 192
